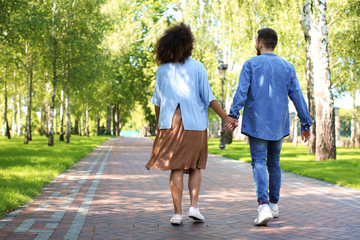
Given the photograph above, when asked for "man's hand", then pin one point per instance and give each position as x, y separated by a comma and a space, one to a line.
305, 135
231, 123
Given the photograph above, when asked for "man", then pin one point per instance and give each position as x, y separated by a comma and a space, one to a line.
266, 81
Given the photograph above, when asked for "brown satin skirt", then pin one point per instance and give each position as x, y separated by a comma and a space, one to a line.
179, 149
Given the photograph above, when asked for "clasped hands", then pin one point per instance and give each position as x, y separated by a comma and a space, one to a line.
231, 123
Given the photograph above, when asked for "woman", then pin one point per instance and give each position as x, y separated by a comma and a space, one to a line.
181, 97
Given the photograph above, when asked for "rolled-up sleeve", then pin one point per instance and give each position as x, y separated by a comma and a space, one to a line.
156, 98
297, 98
242, 91
206, 93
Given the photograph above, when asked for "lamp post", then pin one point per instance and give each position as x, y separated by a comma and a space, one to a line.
222, 71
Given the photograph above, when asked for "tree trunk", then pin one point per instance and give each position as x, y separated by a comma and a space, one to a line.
87, 120
56, 120
62, 116
120, 125
46, 119
80, 127
337, 126
14, 124
67, 118
42, 120
291, 135
353, 122
67, 93
97, 125
118, 120
83, 125
307, 25
115, 119
295, 131
325, 117
108, 123
7, 129
19, 115
357, 138
54, 82
76, 127
3, 130
28, 95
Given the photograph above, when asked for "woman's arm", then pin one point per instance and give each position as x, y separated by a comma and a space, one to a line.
157, 113
219, 111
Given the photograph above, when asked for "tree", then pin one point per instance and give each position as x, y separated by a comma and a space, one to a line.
315, 28
306, 22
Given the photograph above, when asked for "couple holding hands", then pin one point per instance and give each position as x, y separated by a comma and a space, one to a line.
181, 98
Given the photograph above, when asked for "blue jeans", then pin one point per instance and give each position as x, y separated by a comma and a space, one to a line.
266, 154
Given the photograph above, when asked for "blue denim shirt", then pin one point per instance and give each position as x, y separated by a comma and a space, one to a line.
185, 84
266, 81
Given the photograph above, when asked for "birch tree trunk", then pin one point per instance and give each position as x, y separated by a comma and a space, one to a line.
14, 124
83, 125
53, 94
325, 117
292, 117
47, 114
42, 120
353, 122
19, 115
357, 138
28, 95
67, 118
295, 131
62, 116
87, 120
3, 130
67, 93
115, 119
7, 129
307, 25
118, 120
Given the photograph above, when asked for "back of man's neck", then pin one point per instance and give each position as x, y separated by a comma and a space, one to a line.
268, 51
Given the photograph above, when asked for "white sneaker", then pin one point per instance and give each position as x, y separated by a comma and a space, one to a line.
274, 210
264, 215
176, 219
195, 214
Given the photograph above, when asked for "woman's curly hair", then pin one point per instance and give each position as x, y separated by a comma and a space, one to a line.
175, 45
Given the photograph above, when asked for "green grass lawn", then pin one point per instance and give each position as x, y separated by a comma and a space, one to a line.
345, 170
25, 169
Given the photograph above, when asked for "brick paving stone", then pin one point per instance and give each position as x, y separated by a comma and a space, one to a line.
111, 195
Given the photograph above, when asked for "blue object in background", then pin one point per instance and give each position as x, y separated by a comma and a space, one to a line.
129, 133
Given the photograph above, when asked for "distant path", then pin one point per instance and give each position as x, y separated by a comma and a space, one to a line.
110, 195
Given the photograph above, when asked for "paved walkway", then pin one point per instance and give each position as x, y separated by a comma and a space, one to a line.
110, 195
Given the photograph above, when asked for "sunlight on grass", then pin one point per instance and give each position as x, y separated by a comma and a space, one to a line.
25, 169
345, 170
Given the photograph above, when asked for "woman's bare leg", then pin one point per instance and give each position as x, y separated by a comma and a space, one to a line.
194, 186
176, 187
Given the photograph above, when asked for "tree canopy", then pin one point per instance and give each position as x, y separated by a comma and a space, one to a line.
100, 53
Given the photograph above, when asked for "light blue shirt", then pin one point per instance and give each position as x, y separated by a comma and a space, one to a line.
185, 84
265, 83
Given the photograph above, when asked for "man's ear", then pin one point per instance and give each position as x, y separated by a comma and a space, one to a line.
261, 44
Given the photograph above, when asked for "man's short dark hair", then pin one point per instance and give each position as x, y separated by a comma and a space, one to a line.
268, 37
